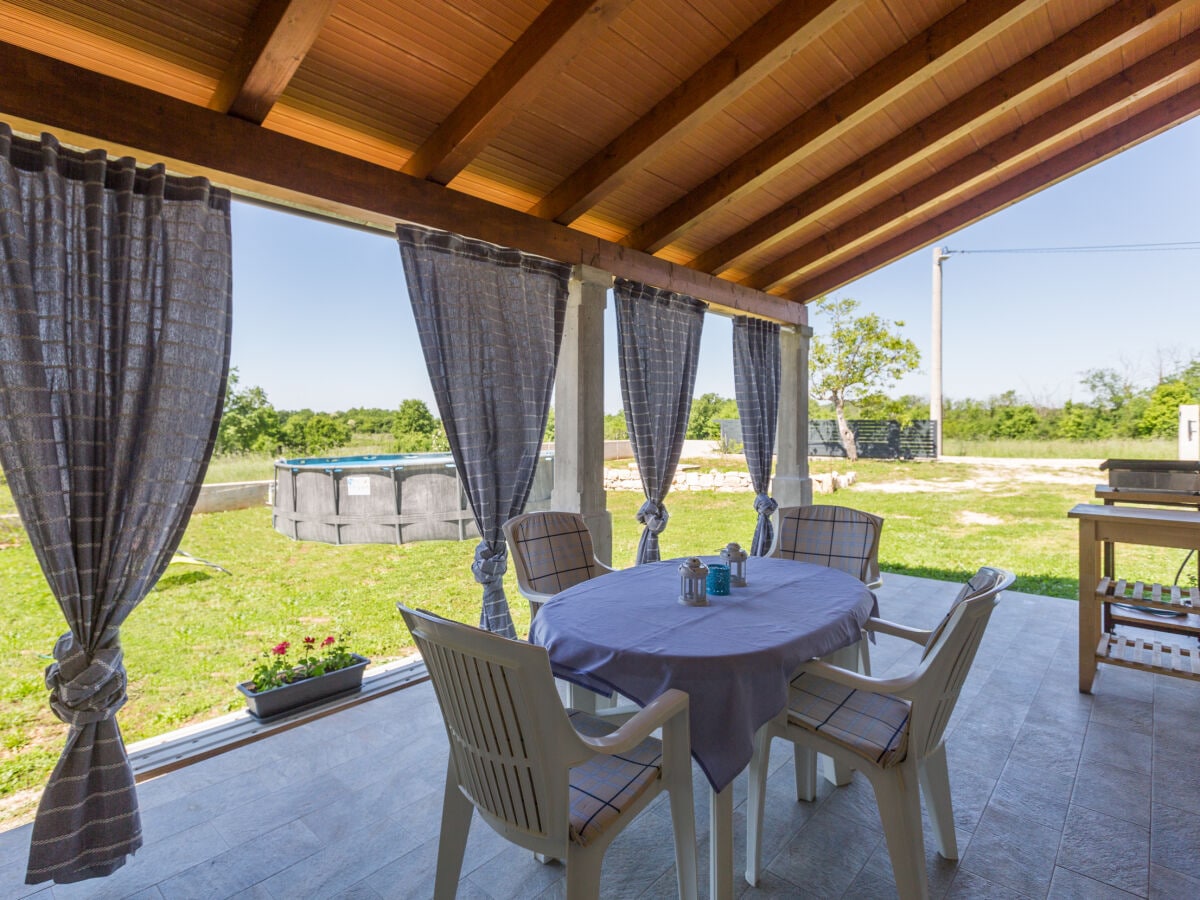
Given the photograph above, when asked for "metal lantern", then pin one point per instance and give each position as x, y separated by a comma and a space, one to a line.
735, 557
693, 576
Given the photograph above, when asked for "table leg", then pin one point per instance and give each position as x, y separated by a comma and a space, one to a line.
582, 699
720, 843
1089, 612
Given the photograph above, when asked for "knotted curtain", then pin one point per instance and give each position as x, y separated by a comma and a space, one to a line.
490, 320
756, 386
115, 303
658, 337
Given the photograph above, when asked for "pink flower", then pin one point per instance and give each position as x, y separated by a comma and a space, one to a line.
310, 641
327, 641
280, 649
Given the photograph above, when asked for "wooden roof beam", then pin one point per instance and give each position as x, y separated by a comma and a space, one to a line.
1068, 54
279, 36
88, 109
1158, 118
761, 48
548, 46
947, 40
1140, 78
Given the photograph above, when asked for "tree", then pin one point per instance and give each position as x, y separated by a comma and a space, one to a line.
413, 427
861, 357
323, 432
1161, 418
615, 428
248, 420
706, 409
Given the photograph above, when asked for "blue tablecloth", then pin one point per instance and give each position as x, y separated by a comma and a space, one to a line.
627, 632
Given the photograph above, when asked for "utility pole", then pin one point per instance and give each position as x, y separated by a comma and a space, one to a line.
935, 368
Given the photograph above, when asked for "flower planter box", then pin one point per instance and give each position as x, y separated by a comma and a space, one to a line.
302, 695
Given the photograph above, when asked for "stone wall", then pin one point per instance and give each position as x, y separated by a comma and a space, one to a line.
694, 478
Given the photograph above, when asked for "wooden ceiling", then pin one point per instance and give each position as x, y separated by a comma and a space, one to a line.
754, 153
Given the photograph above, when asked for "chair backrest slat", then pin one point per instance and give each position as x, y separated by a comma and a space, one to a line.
504, 722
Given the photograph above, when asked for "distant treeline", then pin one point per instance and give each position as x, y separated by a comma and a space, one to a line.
1118, 408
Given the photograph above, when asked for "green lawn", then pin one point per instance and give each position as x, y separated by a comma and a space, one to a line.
195, 636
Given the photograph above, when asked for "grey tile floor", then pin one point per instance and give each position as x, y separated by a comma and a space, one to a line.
1056, 794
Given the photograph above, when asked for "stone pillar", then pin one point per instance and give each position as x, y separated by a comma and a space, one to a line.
792, 486
579, 409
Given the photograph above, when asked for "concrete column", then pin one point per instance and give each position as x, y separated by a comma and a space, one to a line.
792, 486
579, 409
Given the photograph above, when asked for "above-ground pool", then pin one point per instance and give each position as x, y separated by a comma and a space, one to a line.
392, 499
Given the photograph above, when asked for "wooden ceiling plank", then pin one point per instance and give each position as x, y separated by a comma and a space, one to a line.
275, 43
947, 40
547, 47
90, 109
1141, 77
1063, 56
1141, 126
764, 46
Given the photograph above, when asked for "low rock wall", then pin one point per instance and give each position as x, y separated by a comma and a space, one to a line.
628, 479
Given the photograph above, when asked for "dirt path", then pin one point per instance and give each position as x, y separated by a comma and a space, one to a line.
995, 473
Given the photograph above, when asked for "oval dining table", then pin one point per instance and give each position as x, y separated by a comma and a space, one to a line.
626, 632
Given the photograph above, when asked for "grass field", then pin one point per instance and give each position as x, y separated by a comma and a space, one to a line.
196, 635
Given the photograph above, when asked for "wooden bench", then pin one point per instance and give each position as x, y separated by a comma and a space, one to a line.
1101, 526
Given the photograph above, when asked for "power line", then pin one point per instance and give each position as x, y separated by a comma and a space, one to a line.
1167, 247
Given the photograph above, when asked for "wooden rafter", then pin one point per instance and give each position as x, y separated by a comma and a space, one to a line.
1158, 118
547, 47
275, 43
751, 57
1068, 54
946, 41
1092, 104
87, 108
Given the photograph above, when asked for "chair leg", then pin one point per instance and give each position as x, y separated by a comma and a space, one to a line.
452, 843
806, 773
756, 796
864, 656
935, 783
583, 872
683, 823
899, 801
677, 774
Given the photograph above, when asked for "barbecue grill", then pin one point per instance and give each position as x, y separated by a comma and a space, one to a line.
1161, 482
1168, 482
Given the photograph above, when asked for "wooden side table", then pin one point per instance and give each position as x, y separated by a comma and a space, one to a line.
1101, 525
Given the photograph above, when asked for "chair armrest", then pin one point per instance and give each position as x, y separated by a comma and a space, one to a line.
859, 682
916, 635
537, 598
654, 715
604, 570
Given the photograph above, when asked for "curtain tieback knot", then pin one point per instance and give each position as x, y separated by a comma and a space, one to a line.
654, 516
490, 564
765, 505
85, 689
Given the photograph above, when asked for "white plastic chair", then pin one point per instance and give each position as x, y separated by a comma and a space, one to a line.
558, 782
890, 729
835, 536
551, 551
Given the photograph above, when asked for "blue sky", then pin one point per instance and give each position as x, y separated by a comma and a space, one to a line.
322, 319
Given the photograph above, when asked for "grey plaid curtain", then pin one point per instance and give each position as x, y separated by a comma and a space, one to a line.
490, 321
658, 336
756, 384
115, 293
